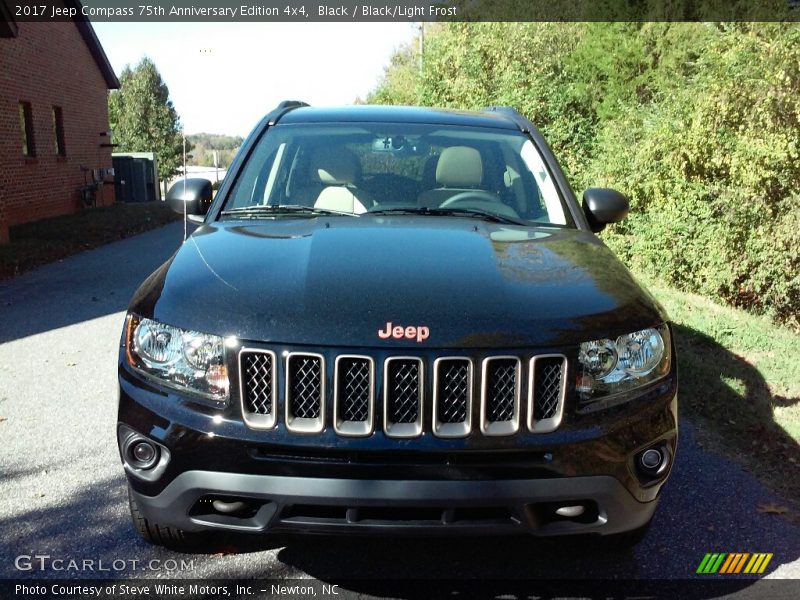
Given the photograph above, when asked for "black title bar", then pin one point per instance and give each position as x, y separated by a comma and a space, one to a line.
375, 11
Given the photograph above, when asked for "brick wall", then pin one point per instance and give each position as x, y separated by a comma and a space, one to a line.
48, 64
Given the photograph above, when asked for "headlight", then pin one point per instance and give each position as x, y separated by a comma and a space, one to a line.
186, 360
609, 367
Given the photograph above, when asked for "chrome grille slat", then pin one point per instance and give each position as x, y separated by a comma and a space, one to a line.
354, 390
305, 388
355, 381
305, 392
258, 383
404, 392
258, 387
547, 391
454, 393
500, 393
403, 385
452, 397
502, 388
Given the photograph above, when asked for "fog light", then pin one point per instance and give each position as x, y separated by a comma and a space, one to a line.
651, 459
144, 454
654, 462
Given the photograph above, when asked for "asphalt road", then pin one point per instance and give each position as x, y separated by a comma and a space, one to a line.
62, 489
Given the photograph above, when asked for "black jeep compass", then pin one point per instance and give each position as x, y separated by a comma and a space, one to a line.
395, 320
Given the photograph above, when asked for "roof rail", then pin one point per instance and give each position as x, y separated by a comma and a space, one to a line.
517, 117
292, 104
283, 107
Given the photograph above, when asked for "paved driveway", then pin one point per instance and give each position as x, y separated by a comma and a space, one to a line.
63, 491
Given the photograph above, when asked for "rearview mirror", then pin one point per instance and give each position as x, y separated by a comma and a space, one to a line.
193, 194
603, 206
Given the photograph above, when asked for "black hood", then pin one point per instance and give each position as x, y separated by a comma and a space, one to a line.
338, 281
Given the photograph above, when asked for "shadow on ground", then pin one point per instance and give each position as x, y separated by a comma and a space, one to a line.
731, 401
84, 286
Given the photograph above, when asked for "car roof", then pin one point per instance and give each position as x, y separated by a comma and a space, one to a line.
399, 114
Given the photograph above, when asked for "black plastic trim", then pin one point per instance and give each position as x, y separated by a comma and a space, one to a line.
618, 510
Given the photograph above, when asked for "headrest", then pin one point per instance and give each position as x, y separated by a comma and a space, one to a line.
334, 166
459, 167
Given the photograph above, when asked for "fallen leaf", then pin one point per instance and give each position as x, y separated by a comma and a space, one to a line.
226, 550
772, 509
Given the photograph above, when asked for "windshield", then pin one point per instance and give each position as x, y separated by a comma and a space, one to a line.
359, 169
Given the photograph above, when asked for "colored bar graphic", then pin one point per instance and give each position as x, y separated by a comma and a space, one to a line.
723, 563
758, 563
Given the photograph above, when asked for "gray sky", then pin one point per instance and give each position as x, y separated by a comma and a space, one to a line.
223, 77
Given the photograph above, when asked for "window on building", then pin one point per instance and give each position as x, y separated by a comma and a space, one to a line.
58, 129
26, 125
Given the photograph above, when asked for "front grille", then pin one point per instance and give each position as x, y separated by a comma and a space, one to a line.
403, 397
353, 399
500, 401
403, 393
305, 392
258, 387
547, 389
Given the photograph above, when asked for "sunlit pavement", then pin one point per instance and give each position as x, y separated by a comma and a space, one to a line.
63, 489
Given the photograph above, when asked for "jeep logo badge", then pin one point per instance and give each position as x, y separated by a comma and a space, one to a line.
398, 332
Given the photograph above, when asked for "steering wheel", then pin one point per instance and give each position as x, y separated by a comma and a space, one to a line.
480, 200
475, 196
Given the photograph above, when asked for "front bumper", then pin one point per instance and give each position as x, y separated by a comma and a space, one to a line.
334, 505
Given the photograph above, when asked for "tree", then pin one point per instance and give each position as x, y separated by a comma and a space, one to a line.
143, 118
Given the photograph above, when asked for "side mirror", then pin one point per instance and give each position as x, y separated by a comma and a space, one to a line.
194, 194
603, 206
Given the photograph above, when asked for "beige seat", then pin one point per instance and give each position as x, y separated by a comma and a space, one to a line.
459, 169
338, 170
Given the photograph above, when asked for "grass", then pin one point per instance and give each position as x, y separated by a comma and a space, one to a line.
740, 381
34, 244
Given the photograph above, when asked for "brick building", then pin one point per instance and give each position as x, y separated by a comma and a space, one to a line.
54, 143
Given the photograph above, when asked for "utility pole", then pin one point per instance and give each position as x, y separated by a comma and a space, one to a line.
421, 46
216, 165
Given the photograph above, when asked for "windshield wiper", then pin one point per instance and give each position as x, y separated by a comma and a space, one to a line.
445, 212
259, 210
